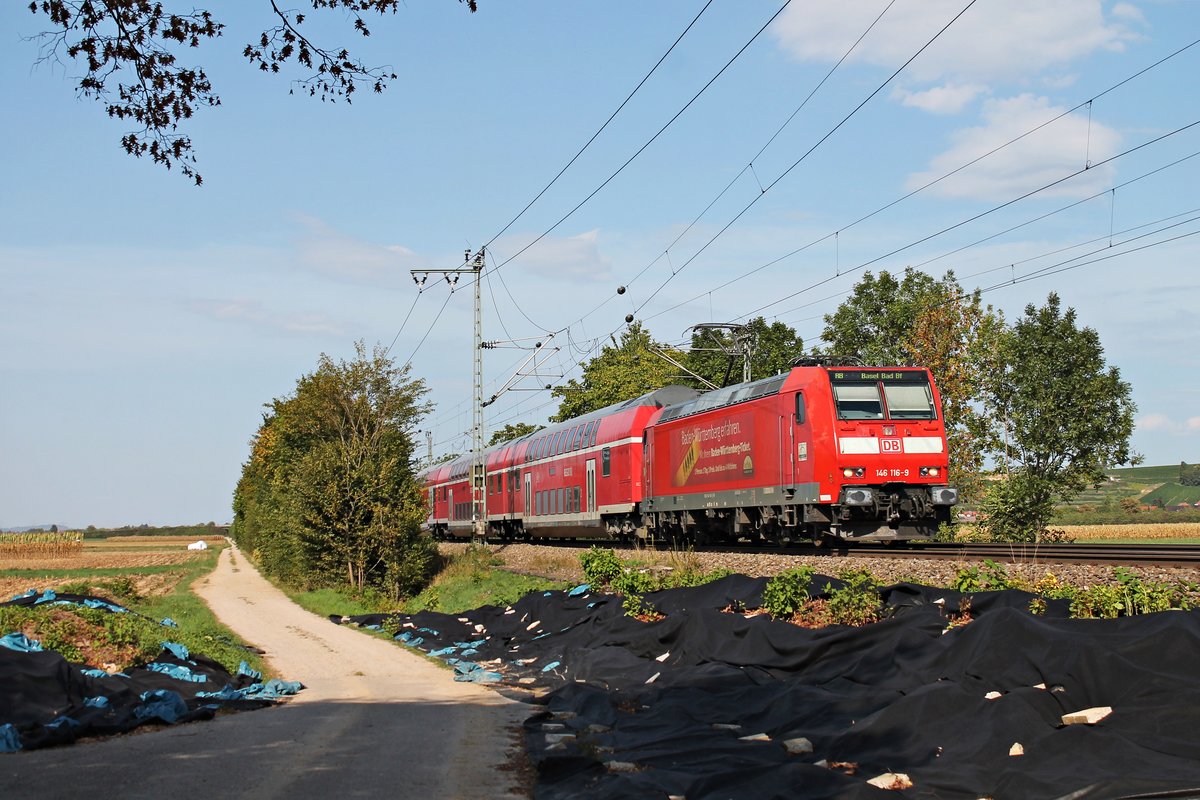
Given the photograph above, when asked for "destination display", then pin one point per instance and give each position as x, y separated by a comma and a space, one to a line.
875, 375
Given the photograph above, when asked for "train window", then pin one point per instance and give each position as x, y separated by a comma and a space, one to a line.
856, 401
799, 408
605, 462
587, 434
560, 442
558, 502
577, 438
595, 434
575, 500
909, 401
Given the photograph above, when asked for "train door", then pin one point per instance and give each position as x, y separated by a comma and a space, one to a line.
528, 492
802, 443
591, 486
450, 515
510, 493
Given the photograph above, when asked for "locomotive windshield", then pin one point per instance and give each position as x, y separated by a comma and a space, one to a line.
858, 401
865, 394
909, 401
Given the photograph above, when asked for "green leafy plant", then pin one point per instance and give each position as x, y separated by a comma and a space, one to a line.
600, 566
857, 601
787, 592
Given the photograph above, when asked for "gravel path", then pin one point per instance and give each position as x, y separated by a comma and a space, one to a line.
374, 721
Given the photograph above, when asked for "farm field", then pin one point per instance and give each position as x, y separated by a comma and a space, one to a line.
1164, 533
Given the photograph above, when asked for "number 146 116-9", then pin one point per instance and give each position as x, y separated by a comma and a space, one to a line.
891, 473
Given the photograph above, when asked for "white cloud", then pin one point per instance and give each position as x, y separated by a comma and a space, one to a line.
947, 99
1130, 12
570, 258
992, 41
1163, 423
252, 312
341, 256
1036, 160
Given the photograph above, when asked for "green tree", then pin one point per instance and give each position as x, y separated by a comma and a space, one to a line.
137, 44
1064, 414
1189, 475
628, 370
773, 349
514, 430
329, 495
934, 323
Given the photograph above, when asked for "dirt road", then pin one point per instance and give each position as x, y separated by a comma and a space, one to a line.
374, 721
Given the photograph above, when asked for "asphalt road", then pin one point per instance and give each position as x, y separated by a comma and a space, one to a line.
374, 721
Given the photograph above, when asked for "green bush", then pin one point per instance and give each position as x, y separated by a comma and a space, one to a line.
990, 576
600, 566
857, 602
787, 592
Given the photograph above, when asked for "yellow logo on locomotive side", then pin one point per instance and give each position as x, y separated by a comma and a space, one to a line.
690, 457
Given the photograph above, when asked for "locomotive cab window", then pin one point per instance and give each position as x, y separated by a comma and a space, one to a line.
858, 401
799, 408
909, 401
606, 462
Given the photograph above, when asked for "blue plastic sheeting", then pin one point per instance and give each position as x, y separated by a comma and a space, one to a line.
99, 701
409, 639
581, 589
99, 673
430, 631
167, 622
178, 672
248, 671
445, 651
92, 602
162, 704
20, 642
273, 689
10, 741
476, 643
61, 721
469, 671
26, 593
47, 596
551, 666
179, 651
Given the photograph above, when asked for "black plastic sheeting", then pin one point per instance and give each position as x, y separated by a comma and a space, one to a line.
705, 703
46, 700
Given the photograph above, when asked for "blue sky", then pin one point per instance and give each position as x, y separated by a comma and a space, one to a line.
144, 322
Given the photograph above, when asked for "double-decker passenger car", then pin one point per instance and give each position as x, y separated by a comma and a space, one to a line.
818, 452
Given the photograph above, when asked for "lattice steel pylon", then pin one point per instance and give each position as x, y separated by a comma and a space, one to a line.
471, 264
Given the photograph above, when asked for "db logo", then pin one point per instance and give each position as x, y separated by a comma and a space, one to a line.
889, 446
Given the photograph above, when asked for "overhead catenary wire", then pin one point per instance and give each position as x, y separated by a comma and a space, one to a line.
600, 130
648, 142
806, 154
934, 182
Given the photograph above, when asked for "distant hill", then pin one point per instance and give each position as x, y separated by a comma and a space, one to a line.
29, 528
1145, 484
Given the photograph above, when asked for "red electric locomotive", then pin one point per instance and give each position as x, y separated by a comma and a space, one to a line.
820, 452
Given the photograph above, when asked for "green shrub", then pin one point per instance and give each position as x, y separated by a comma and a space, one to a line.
857, 602
600, 566
787, 592
990, 576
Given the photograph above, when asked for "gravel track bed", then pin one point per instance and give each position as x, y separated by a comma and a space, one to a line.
562, 564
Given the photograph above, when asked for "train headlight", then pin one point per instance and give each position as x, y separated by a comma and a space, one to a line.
853, 472
930, 472
858, 496
943, 495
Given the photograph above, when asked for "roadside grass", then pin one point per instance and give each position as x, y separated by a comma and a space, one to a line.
127, 639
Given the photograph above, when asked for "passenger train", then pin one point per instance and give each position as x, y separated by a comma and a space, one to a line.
820, 452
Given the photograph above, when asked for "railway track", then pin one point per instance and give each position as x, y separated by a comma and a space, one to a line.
1149, 554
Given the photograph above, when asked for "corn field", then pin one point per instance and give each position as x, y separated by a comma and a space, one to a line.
40, 544
1098, 533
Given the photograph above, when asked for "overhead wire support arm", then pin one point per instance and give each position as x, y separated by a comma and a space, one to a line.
540, 355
